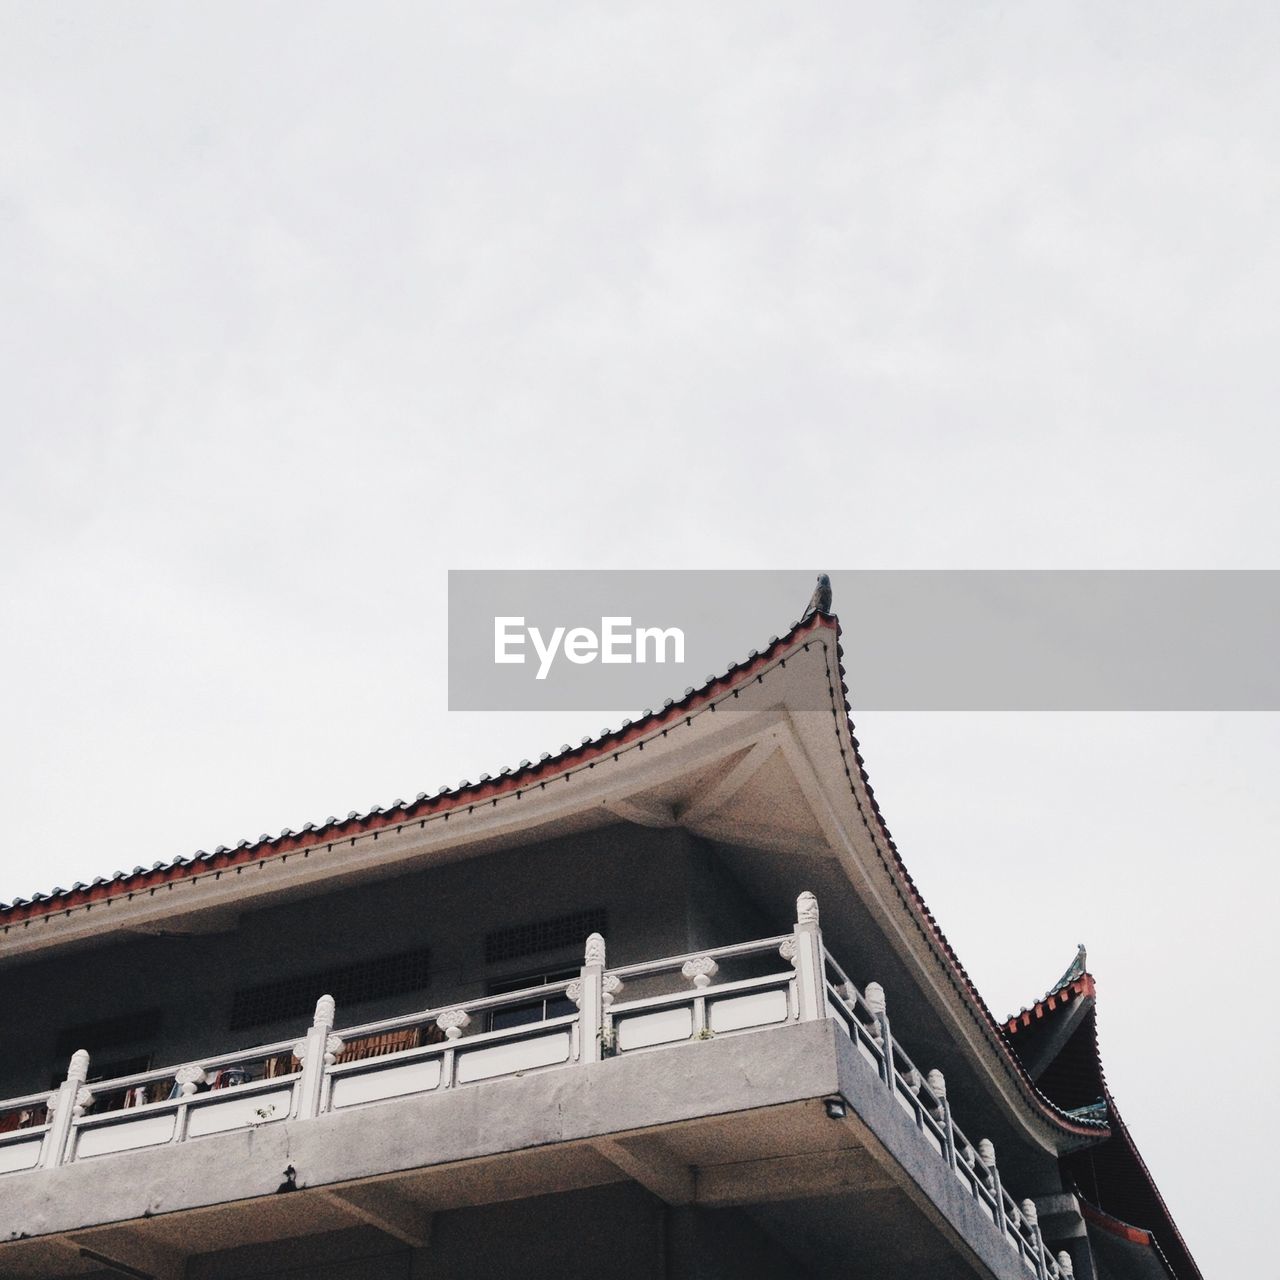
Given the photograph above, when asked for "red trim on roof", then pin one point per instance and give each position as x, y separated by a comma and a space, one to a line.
1082, 986
1135, 1235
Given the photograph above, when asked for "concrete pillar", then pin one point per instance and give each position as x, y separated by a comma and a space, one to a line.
810, 963
589, 995
64, 1104
316, 1052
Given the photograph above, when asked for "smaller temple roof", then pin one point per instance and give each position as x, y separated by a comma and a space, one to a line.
1056, 1038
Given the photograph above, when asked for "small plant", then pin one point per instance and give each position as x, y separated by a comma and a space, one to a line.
608, 1043
705, 1034
264, 1113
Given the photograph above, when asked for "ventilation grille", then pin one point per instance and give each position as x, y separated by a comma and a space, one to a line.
394, 975
543, 935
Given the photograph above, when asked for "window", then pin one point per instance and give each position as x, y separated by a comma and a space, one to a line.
520, 1015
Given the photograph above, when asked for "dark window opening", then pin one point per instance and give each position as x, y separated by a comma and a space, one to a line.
538, 1010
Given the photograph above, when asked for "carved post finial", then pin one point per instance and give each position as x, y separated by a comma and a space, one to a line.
700, 970
326, 1011
987, 1152
451, 1022
1065, 1266
806, 908
595, 953
873, 995
189, 1078
609, 988
937, 1083
78, 1068
1030, 1212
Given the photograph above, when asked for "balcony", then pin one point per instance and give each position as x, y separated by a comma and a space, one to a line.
750, 1075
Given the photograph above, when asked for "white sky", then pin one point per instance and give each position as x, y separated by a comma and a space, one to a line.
305, 304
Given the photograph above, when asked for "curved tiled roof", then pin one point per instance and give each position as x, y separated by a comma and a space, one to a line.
509, 782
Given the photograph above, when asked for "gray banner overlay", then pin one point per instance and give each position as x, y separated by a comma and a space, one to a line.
929, 640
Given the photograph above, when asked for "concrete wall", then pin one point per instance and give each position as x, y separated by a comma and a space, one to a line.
664, 892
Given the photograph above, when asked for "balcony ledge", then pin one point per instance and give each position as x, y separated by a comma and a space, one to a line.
738, 1119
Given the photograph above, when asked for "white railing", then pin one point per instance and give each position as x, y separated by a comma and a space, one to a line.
740, 1001
863, 1016
700, 995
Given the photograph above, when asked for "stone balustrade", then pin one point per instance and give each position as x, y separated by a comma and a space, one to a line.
622, 1010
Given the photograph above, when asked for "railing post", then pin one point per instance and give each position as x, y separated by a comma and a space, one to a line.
987, 1154
69, 1100
1065, 1265
316, 1052
875, 999
1032, 1215
588, 994
937, 1083
809, 960
452, 1022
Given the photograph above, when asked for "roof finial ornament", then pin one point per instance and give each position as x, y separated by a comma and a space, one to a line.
1075, 970
820, 601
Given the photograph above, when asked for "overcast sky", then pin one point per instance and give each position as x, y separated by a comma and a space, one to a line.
306, 304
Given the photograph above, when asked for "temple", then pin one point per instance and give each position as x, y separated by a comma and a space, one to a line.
663, 1004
